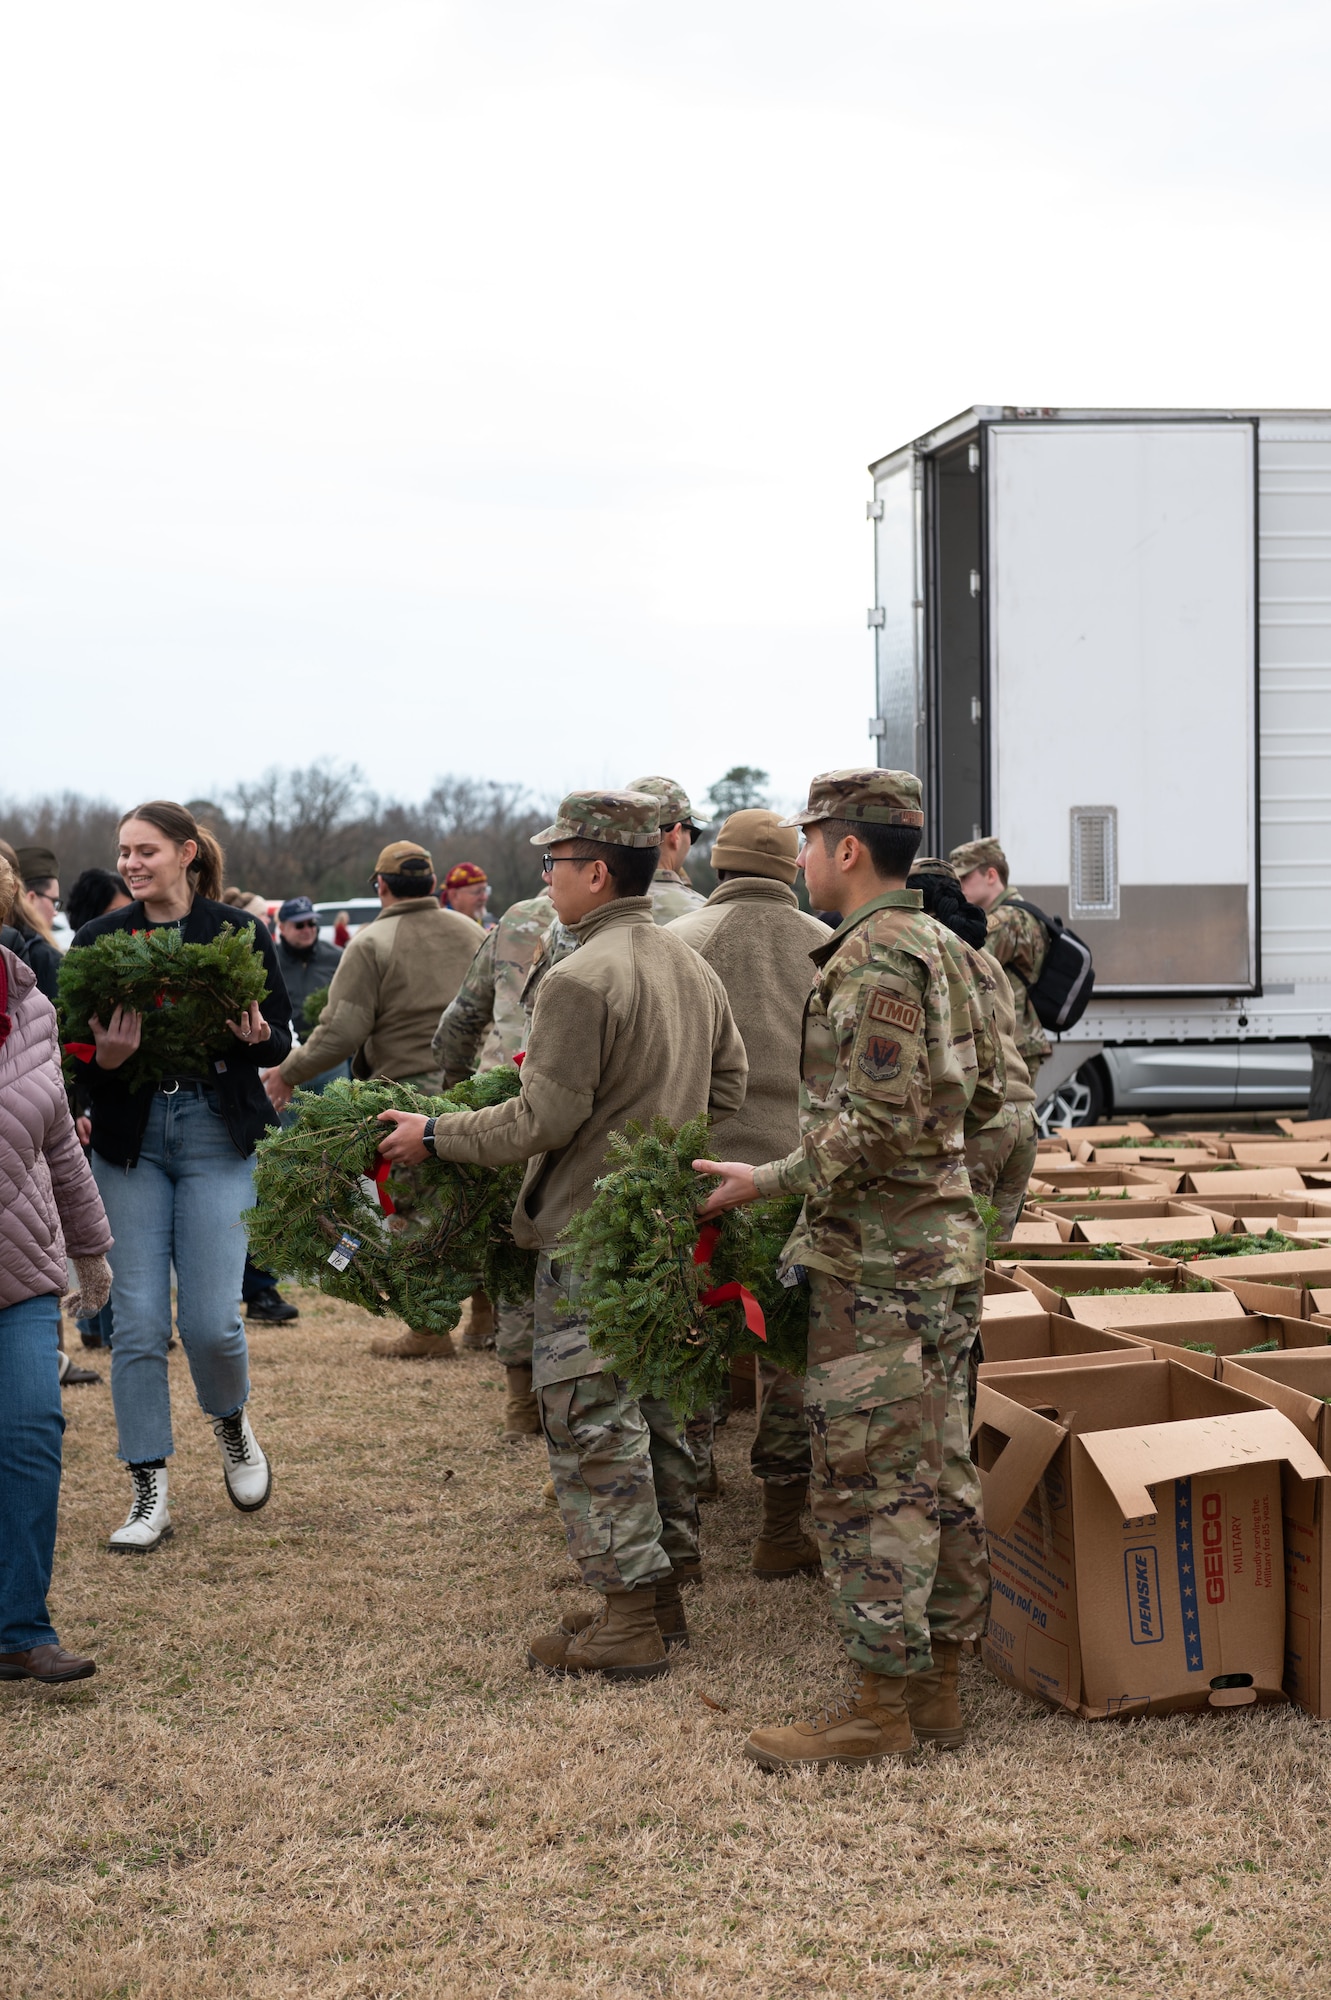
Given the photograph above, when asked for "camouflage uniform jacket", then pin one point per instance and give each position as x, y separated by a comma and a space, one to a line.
898, 1046
673, 895
485, 1024
1017, 940
1019, 1089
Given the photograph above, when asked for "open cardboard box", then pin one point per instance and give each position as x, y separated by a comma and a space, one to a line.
1043, 1339
1306, 1128
1134, 1521
1075, 1283
1077, 1180
1076, 1135
1229, 1182
1228, 1335
1304, 1373
1176, 1224
1036, 1228
1261, 1211
1272, 1281
1281, 1152
1153, 1156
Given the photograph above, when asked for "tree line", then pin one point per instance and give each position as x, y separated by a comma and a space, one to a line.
317, 831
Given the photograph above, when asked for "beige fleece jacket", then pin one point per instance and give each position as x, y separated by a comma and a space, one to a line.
754, 935
384, 1001
633, 1025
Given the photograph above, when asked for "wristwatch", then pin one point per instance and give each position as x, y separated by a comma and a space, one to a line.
427, 1136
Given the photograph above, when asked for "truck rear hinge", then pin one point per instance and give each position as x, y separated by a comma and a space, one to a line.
873, 510
877, 616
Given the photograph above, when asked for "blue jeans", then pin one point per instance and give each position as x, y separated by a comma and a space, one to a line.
180, 1205
29, 1468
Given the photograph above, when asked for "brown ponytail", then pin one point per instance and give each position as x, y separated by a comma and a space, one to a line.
206, 870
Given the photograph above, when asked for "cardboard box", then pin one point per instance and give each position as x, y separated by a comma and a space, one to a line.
1228, 1335
1077, 1135
1037, 1228
1065, 1286
1044, 1339
1260, 1211
1306, 1128
1176, 1225
1154, 1156
1307, 1529
1281, 1152
1297, 1268
1134, 1522
1076, 1180
1229, 1182
1065, 1252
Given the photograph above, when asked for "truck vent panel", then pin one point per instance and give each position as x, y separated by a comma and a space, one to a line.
1094, 862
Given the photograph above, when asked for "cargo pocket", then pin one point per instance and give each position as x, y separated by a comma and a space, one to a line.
864, 1447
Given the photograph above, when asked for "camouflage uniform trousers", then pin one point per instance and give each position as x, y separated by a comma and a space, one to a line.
896, 1500
623, 1474
780, 1448
515, 1327
1000, 1159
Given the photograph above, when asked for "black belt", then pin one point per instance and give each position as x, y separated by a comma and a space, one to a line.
196, 1086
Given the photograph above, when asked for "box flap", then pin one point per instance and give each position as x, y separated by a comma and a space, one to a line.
1246, 1180
1014, 1475
1152, 1309
1132, 1461
1304, 1411
1145, 1228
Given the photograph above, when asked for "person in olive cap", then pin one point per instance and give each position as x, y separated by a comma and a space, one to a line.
673, 895
1016, 939
384, 1001
758, 941
897, 1057
631, 1025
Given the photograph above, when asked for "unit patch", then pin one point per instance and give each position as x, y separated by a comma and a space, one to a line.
887, 1043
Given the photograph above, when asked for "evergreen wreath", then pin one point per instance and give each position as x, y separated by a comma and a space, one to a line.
185, 992
633, 1248
311, 1012
318, 1215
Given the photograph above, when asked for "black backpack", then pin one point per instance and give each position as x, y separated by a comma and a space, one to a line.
1067, 977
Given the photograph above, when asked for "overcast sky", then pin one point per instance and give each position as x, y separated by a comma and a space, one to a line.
489, 387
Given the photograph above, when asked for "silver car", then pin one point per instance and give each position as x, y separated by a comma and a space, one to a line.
1182, 1076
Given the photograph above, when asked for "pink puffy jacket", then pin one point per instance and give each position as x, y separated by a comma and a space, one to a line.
48, 1198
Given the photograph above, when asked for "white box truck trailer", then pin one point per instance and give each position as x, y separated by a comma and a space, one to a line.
1105, 637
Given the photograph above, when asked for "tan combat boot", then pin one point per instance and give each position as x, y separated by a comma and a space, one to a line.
670, 1620
522, 1419
414, 1346
622, 1641
868, 1724
477, 1323
782, 1547
933, 1699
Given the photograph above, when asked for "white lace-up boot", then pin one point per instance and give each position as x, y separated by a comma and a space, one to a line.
148, 1523
249, 1477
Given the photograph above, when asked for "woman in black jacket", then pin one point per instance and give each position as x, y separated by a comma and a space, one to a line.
173, 1167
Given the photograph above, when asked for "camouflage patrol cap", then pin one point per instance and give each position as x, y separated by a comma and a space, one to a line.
931, 864
984, 853
620, 819
878, 798
675, 806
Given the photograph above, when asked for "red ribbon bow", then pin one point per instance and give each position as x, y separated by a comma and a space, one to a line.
81, 1051
379, 1176
708, 1237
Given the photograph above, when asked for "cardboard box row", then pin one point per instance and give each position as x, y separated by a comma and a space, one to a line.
1135, 1521
1096, 1580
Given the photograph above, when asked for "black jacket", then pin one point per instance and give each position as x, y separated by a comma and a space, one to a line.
305, 972
119, 1114
44, 959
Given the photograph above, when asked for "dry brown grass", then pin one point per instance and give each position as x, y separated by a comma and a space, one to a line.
314, 1761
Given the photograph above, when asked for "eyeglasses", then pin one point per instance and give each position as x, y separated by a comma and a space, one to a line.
548, 861
55, 901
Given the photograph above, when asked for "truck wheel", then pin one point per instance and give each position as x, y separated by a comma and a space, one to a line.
1082, 1100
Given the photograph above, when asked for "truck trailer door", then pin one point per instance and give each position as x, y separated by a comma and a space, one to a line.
1121, 613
